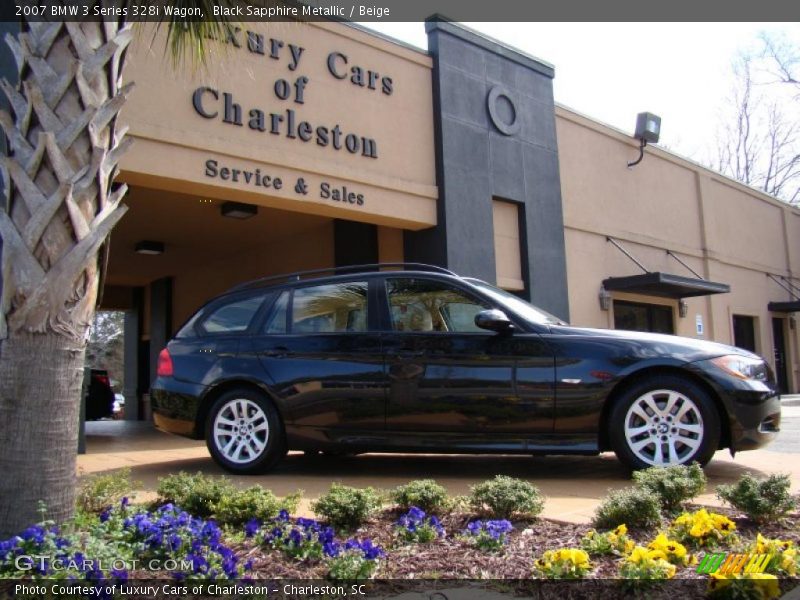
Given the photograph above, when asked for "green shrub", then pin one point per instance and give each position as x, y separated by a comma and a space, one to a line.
761, 501
347, 507
351, 566
98, 492
634, 507
197, 494
673, 485
236, 507
505, 496
422, 493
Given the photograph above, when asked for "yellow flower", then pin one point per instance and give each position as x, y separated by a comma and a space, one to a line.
700, 529
621, 530
722, 523
719, 581
767, 584
659, 543
761, 544
629, 546
670, 570
638, 555
590, 534
577, 557
656, 555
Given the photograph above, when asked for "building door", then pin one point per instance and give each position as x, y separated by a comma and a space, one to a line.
636, 316
780, 354
744, 332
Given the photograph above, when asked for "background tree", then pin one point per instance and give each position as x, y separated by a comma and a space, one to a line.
64, 148
758, 142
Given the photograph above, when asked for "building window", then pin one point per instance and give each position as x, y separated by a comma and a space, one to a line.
744, 332
507, 247
636, 316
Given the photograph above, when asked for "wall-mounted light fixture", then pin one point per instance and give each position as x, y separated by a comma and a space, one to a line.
792, 323
149, 247
683, 308
238, 210
605, 298
648, 129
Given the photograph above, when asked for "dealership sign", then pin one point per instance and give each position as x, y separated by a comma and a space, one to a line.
211, 103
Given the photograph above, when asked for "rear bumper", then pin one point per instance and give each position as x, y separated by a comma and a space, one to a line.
176, 407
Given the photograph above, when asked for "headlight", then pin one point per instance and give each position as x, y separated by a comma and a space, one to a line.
743, 367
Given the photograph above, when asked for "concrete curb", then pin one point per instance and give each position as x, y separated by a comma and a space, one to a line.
790, 400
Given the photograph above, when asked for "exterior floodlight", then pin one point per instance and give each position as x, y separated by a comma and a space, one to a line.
238, 210
150, 247
648, 128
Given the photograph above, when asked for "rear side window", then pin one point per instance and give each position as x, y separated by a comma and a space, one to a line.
333, 308
233, 317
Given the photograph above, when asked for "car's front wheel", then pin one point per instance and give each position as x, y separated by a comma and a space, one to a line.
662, 421
244, 433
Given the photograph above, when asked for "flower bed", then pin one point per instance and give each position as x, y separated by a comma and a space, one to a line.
408, 543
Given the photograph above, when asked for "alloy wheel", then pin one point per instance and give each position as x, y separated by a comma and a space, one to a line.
663, 427
240, 430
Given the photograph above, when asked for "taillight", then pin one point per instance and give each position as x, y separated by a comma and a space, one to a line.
102, 379
164, 364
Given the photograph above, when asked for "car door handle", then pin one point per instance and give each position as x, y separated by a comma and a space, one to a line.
279, 352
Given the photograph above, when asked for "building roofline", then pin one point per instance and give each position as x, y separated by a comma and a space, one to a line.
668, 154
442, 23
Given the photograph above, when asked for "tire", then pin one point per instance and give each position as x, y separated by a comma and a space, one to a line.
644, 433
260, 443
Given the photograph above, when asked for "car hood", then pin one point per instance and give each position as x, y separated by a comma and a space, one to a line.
688, 349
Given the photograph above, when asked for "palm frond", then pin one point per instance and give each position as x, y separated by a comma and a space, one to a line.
192, 39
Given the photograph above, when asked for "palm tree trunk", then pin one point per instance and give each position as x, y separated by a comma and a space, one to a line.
64, 149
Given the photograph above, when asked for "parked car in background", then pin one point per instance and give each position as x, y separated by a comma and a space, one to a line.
99, 396
364, 359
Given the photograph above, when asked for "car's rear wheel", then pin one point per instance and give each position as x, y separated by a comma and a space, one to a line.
244, 433
662, 421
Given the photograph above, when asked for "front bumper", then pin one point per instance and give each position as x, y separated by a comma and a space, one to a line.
756, 423
753, 407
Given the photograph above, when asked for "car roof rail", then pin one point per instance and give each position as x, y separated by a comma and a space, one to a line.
298, 275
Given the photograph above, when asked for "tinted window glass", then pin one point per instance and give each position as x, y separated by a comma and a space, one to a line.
426, 305
276, 320
232, 317
655, 318
744, 332
330, 308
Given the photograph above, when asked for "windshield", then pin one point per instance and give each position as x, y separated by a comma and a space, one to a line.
517, 305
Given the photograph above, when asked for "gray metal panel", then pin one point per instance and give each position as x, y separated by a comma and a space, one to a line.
477, 162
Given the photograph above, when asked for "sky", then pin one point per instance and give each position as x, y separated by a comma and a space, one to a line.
612, 71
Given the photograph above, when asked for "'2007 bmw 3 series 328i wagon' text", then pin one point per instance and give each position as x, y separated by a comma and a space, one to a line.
421, 360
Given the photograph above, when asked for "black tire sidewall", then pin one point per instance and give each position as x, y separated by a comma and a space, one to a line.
275, 449
690, 389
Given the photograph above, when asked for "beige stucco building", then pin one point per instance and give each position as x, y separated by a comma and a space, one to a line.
315, 145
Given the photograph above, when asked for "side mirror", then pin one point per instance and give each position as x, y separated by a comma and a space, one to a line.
494, 320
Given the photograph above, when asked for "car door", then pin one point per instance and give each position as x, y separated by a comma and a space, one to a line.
323, 356
444, 374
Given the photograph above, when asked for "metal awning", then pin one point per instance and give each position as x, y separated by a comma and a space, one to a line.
784, 307
665, 285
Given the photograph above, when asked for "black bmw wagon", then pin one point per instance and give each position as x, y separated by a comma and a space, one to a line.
365, 359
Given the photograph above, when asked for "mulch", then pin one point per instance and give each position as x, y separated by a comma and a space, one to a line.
452, 557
